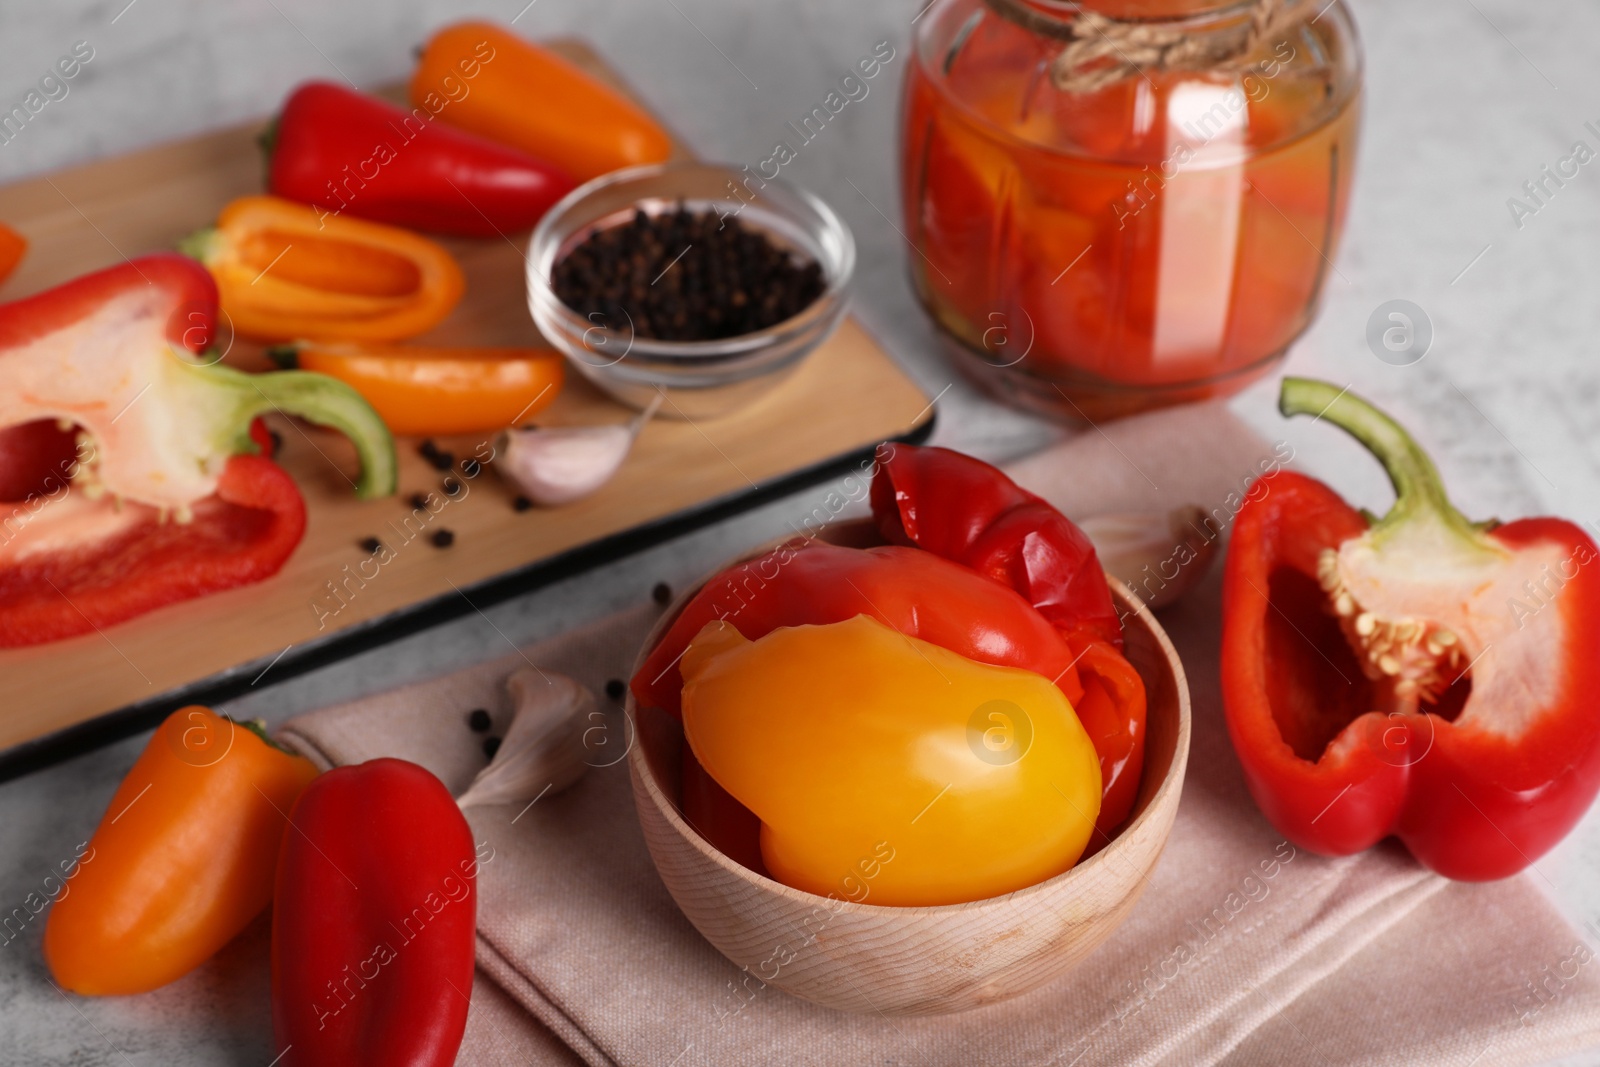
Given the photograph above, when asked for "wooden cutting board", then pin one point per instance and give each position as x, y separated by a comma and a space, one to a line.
324, 604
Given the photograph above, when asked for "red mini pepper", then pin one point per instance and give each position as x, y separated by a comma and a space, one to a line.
344, 151
1418, 675
923, 595
374, 920
163, 496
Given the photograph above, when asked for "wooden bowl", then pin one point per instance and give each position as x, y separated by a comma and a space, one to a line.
916, 960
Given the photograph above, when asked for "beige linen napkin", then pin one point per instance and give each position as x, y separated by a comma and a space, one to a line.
1242, 949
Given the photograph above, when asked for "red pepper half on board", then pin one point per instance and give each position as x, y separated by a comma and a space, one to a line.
921, 594
344, 151
162, 496
1418, 675
374, 920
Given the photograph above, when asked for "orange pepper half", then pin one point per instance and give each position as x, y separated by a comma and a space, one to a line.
286, 271
487, 80
183, 859
423, 391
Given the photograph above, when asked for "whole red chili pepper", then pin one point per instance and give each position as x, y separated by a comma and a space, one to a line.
373, 920
1418, 675
161, 499
344, 151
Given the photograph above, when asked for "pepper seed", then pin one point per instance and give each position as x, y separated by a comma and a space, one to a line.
615, 689
491, 745
662, 594
478, 720
443, 539
371, 545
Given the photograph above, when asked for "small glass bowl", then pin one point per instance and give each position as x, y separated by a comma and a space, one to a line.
700, 379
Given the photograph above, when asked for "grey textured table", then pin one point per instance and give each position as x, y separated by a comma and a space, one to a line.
1467, 99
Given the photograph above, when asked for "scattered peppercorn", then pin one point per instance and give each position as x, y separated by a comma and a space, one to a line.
615, 689
686, 276
443, 539
491, 745
662, 594
435, 455
371, 545
451, 487
478, 720
520, 503
419, 501
471, 468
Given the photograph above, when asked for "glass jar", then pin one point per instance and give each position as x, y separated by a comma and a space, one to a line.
1122, 204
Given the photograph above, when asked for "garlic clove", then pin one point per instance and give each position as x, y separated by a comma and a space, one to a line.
559, 464
1160, 556
542, 752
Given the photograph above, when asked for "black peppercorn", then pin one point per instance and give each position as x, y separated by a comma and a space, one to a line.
371, 545
686, 276
471, 468
478, 720
615, 689
520, 503
491, 745
451, 487
662, 594
443, 539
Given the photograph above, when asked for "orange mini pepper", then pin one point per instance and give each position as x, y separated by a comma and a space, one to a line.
287, 271
424, 391
183, 859
487, 80
13, 246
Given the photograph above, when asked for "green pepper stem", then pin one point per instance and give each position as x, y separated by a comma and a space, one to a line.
325, 401
267, 139
199, 244
1418, 490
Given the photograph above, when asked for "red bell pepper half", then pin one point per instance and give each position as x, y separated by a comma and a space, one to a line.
1418, 675
341, 150
130, 463
923, 595
374, 920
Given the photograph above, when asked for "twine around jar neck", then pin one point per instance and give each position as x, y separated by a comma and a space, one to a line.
1101, 51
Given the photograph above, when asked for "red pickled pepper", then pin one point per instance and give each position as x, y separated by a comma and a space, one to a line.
969, 509
1107, 262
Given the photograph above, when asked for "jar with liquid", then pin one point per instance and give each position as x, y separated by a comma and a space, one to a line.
1120, 204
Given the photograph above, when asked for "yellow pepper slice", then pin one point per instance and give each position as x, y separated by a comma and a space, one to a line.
888, 770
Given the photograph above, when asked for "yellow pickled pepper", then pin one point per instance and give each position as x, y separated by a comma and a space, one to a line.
886, 769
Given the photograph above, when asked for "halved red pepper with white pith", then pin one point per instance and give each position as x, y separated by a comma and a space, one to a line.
1418, 675
129, 460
